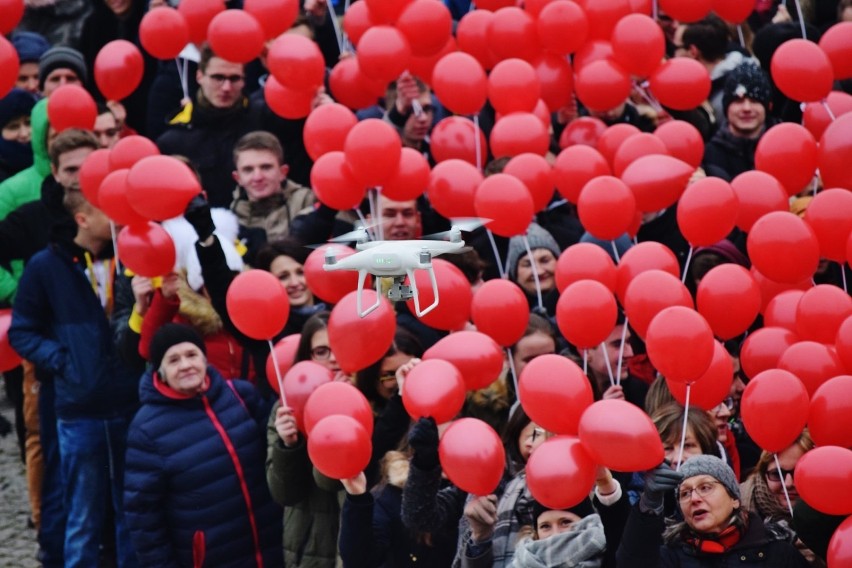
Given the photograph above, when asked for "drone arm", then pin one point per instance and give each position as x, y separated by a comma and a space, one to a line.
417, 292
362, 277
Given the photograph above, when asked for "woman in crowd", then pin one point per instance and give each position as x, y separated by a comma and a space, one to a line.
194, 488
536, 276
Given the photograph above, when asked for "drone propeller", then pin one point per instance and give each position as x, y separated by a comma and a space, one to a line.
464, 224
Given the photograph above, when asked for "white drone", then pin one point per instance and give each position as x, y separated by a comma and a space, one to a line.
394, 259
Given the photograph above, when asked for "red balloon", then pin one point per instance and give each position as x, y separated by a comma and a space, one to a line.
500, 310
602, 85
387, 11
518, 133
712, 387
513, 86
603, 16
198, 14
591, 51
285, 353
729, 299
840, 546
816, 119
92, 172
459, 82
762, 349
300, 381
835, 43
802, 71
560, 473
733, 11
118, 69
789, 153
326, 129
287, 102
359, 342
472, 456
830, 414
434, 388
507, 202
843, 343
586, 314
536, 174
358, 20
635, 147
296, 62
606, 207
680, 83
494, 5
774, 408
337, 397
576, 166
476, 355
11, 13
686, 10
680, 344
820, 312
813, 363
331, 286
452, 187
472, 35
585, 130
383, 53
352, 88
638, 44
160, 187
9, 358
130, 150
707, 211
422, 67
651, 292
822, 480
427, 24
275, 16
372, 151
113, 200
454, 138
411, 178
9, 66
648, 255
769, 289
453, 310
334, 183
163, 32
512, 33
835, 152
147, 250
562, 27
71, 106
339, 447
584, 261
772, 242
758, 193
612, 138
657, 181
257, 304
236, 35
781, 310
620, 436
682, 140
830, 216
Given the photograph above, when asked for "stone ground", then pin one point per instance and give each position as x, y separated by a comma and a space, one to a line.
17, 542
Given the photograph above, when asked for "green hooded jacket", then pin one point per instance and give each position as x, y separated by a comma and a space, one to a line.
23, 187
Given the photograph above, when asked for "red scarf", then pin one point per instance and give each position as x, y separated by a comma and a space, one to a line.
717, 544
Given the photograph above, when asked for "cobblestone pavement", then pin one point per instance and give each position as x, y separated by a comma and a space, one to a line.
17, 542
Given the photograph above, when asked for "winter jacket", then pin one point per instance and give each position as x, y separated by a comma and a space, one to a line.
726, 156
272, 214
59, 324
194, 482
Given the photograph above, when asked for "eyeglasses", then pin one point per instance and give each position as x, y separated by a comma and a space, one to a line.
232, 79
320, 352
387, 377
772, 474
684, 494
729, 402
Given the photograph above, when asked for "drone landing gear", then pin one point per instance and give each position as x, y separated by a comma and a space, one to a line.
398, 292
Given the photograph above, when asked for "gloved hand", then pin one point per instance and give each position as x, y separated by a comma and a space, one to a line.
423, 439
658, 482
198, 215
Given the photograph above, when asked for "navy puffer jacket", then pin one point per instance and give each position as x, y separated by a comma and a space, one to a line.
195, 489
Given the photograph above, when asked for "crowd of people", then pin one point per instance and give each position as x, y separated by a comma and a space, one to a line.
150, 430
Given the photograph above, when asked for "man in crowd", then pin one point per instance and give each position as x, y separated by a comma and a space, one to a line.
60, 66
603, 364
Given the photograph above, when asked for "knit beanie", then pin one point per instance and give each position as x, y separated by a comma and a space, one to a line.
747, 80
61, 57
706, 464
582, 509
170, 335
30, 46
538, 238
16, 104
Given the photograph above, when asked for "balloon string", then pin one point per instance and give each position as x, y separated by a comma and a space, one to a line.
115, 247
655, 104
783, 483
683, 428
615, 252
514, 373
608, 363
377, 191
181, 64
655, 10
843, 275
496, 253
816, 181
476, 142
362, 218
742, 37
277, 372
686, 265
341, 42
621, 351
801, 19
828, 110
586, 361
534, 267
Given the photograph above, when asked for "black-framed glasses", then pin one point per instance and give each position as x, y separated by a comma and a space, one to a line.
704, 489
232, 79
321, 352
729, 403
773, 475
